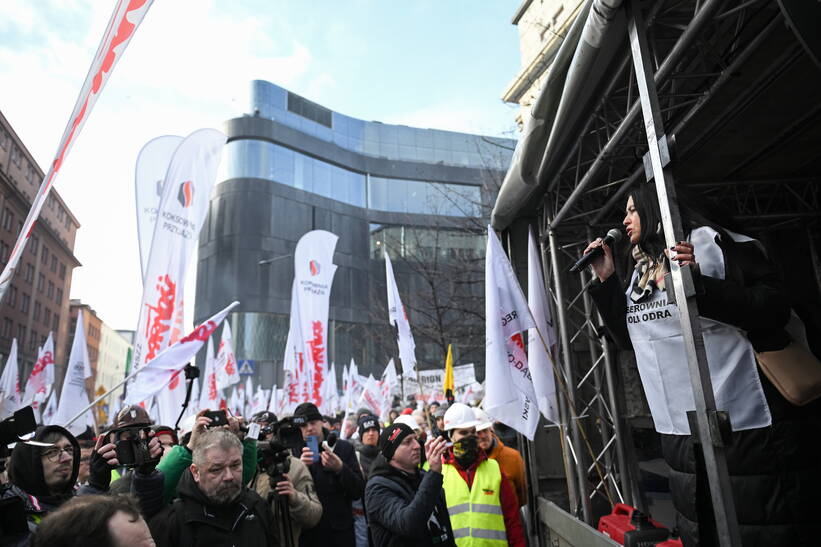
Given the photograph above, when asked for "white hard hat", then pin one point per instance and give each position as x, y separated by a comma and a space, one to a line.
485, 421
460, 416
408, 420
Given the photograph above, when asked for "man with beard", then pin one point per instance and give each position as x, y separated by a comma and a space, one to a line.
44, 476
483, 506
215, 507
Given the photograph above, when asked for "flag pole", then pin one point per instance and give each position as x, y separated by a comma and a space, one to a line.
103, 396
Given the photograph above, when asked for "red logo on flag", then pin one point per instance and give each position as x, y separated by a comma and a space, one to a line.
314, 266
186, 194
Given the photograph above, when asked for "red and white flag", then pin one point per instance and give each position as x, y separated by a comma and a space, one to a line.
159, 371
510, 396
10, 396
398, 317
211, 396
127, 16
314, 274
226, 365
372, 396
542, 363
50, 409
294, 360
41, 378
388, 385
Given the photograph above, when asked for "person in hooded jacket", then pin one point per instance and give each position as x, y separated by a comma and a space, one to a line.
338, 480
45, 477
366, 451
406, 505
214, 506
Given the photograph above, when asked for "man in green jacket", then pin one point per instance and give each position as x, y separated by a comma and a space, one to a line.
179, 458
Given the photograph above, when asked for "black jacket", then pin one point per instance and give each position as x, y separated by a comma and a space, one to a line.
367, 454
336, 491
774, 471
192, 520
400, 506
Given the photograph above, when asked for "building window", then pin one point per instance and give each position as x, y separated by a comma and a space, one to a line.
41, 282
16, 155
55, 322
29, 275
44, 256
8, 219
25, 302
47, 317
38, 309
62, 271
61, 214
21, 335
33, 341
7, 325
54, 263
4, 138
4, 252
59, 296
308, 109
12, 296
34, 245
50, 291
30, 173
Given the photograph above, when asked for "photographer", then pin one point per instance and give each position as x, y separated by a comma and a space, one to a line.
336, 475
293, 481
178, 458
44, 477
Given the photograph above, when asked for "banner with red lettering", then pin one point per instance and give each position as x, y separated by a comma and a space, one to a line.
41, 378
314, 274
149, 177
183, 206
127, 16
226, 364
211, 396
156, 374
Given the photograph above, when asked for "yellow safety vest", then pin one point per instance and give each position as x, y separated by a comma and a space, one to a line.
476, 514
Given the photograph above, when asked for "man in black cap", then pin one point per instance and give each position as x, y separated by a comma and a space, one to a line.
405, 505
337, 478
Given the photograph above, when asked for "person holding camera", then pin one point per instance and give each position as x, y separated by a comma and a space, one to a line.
291, 480
406, 505
337, 478
214, 505
43, 477
179, 458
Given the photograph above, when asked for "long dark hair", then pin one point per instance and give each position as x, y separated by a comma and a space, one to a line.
695, 211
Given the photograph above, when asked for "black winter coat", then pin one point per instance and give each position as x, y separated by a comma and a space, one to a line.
191, 520
336, 491
774, 471
400, 506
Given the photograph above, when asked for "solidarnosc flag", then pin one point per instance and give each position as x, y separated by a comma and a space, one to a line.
41, 378
398, 317
127, 16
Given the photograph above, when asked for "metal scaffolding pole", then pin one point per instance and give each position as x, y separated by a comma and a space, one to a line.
572, 420
706, 413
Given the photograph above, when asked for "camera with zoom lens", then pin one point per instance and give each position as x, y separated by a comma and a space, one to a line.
275, 454
131, 445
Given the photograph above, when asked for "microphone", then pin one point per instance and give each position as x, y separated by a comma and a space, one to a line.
613, 235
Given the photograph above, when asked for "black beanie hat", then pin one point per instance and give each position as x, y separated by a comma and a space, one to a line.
366, 422
307, 411
391, 437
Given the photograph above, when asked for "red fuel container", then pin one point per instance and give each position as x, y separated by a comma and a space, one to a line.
622, 520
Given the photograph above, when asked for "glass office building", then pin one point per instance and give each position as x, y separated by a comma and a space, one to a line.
291, 166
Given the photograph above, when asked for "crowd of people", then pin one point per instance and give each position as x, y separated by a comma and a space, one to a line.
433, 475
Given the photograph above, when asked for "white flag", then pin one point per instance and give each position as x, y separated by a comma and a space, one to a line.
389, 383
226, 365
124, 21
211, 396
149, 176
510, 397
541, 362
332, 391
235, 402
371, 396
398, 317
159, 371
274, 402
73, 397
183, 207
10, 396
248, 397
314, 274
260, 401
50, 409
42, 375
293, 367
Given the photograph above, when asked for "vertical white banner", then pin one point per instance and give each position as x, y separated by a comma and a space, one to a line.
149, 177
542, 363
127, 16
10, 396
226, 364
73, 397
398, 317
182, 210
314, 274
510, 397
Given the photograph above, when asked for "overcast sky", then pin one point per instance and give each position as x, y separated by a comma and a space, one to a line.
422, 63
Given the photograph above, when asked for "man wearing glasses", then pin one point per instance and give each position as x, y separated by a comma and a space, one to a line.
45, 477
